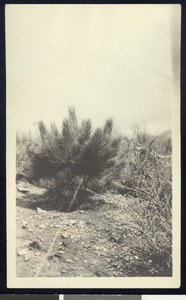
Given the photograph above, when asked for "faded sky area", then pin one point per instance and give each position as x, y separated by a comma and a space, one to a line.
105, 60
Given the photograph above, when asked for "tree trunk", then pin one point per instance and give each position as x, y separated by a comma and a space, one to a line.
75, 194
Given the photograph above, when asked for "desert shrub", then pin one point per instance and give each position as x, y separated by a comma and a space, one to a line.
23, 162
73, 157
144, 247
147, 173
147, 176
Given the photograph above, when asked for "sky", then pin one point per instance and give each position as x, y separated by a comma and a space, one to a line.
105, 60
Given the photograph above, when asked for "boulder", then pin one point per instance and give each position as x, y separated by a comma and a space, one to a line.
22, 251
72, 222
22, 189
40, 211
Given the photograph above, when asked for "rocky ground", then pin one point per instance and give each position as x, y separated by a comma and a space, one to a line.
83, 243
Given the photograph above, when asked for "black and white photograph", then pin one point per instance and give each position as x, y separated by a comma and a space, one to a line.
93, 145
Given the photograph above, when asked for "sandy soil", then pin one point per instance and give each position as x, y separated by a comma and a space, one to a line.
87, 242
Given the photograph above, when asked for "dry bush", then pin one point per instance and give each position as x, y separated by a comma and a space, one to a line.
144, 247
23, 161
147, 176
147, 172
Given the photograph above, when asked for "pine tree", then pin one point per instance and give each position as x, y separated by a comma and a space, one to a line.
74, 156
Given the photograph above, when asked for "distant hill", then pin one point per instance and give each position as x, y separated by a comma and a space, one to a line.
165, 135
163, 143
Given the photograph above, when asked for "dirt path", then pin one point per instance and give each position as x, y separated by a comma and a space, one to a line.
85, 245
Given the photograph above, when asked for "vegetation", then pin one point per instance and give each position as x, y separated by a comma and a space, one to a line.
75, 162
69, 159
23, 159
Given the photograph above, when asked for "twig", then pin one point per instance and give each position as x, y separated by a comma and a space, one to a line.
46, 255
116, 169
133, 190
90, 191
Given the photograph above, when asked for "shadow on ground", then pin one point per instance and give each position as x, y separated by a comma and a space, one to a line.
33, 201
